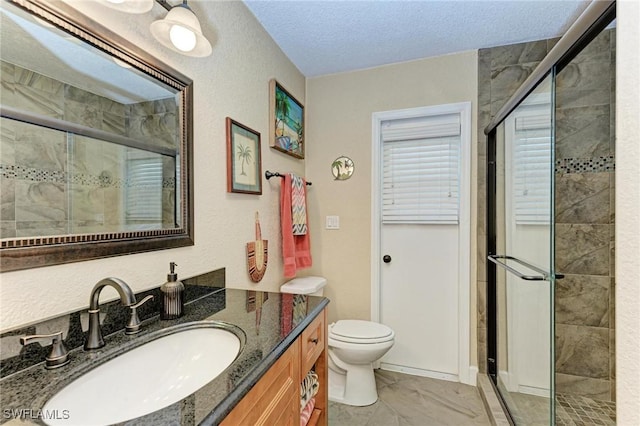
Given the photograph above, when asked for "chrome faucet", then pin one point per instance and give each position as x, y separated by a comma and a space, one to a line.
127, 298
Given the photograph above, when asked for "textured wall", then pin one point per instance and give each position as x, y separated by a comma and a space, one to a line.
233, 82
339, 123
627, 207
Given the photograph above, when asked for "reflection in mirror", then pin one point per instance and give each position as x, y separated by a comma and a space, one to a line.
94, 142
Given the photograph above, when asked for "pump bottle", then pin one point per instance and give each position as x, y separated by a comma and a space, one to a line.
172, 296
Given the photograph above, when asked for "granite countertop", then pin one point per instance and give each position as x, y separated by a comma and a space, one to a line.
271, 322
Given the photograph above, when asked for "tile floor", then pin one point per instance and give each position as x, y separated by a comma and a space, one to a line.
571, 410
406, 400
530, 410
575, 410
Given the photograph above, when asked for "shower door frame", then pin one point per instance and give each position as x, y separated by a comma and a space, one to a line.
493, 338
595, 19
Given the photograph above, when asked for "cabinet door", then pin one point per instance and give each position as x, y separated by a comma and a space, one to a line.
275, 399
313, 354
313, 342
287, 413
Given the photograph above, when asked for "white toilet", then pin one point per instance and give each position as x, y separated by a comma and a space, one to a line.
354, 345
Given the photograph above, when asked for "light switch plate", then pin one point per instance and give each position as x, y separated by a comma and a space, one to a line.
333, 222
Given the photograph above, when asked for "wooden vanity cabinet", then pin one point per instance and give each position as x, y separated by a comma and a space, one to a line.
275, 399
313, 342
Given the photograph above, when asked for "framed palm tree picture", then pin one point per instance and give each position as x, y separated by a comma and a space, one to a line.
244, 163
286, 121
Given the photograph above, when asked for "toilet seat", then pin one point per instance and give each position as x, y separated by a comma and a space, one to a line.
358, 331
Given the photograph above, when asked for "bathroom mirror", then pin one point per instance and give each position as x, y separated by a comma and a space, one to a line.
96, 142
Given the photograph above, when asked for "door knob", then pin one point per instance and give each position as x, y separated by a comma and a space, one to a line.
386, 258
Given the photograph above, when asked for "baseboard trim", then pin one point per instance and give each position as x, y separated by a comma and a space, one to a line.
473, 376
419, 372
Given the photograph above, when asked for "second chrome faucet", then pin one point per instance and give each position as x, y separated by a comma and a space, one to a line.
127, 298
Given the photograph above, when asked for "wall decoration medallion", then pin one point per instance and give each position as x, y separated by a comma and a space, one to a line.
342, 168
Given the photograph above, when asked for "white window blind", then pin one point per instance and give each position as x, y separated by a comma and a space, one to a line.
144, 189
421, 161
532, 169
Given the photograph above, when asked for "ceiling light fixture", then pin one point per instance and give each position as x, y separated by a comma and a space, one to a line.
180, 31
129, 6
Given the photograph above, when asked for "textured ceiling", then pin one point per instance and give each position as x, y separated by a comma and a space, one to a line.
331, 36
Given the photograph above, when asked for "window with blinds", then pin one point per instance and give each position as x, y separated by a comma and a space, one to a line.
531, 172
421, 168
144, 189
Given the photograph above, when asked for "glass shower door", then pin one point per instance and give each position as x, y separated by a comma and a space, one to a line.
523, 258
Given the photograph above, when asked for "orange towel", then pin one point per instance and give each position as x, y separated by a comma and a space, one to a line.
296, 249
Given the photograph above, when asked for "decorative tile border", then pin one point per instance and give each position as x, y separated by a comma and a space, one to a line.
104, 180
10, 171
586, 165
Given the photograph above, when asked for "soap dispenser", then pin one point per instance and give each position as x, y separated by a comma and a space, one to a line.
172, 296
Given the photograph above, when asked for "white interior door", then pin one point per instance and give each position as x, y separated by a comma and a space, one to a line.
419, 298
422, 290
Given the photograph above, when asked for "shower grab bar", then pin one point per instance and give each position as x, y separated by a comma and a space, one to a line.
543, 277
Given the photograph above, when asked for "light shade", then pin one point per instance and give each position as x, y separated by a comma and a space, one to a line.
129, 6
180, 31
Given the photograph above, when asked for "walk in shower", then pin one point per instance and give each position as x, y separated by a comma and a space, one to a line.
550, 226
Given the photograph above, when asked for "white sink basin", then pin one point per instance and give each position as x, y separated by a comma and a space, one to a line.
148, 377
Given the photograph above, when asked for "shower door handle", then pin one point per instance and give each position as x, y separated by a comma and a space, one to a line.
497, 259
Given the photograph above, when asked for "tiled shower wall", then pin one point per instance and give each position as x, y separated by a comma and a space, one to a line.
48, 189
585, 155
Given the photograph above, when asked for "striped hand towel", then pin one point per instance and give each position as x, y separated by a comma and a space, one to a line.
308, 388
298, 206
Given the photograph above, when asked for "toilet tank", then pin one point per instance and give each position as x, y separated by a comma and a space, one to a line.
312, 286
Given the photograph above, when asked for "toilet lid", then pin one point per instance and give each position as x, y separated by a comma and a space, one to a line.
360, 331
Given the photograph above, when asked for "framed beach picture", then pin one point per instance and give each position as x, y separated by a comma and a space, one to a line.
286, 118
244, 164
